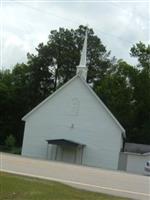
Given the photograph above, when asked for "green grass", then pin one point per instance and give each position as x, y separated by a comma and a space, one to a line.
25, 188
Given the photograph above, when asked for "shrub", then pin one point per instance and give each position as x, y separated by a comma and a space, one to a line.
10, 141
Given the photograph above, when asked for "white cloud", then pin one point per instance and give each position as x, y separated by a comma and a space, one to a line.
119, 25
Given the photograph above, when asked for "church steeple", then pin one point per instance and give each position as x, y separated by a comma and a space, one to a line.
82, 68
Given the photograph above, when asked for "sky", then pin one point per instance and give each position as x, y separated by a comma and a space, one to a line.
24, 24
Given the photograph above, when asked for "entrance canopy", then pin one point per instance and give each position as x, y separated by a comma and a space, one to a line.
64, 142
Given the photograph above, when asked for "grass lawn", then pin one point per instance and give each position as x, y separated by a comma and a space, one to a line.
25, 188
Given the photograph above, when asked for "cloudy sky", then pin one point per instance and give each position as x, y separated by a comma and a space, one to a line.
24, 24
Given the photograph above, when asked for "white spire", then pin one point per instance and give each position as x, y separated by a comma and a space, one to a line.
83, 53
81, 68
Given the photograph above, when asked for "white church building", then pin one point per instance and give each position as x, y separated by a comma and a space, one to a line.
73, 125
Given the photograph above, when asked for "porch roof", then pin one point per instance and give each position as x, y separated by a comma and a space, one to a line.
64, 142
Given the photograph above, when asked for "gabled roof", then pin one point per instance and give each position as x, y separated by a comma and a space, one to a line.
92, 92
48, 98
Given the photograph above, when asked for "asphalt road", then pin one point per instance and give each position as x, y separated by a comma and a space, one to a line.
94, 179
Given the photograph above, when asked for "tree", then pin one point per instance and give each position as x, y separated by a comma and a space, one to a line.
142, 93
14, 102
22, 103
142, 53
5, 104
116, 91
123, 88
56, 61
54, 64
140, 132
126, 91
10, 142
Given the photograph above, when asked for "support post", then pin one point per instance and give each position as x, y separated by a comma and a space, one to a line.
47, 151
82, 155
56, 152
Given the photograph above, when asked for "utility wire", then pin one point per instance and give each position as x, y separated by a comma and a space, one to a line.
74, 22
47, 13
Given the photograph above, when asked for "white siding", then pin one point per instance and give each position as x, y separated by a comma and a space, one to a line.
136, 163
92, 126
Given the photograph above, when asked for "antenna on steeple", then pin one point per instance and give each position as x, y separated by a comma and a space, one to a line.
82, 68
